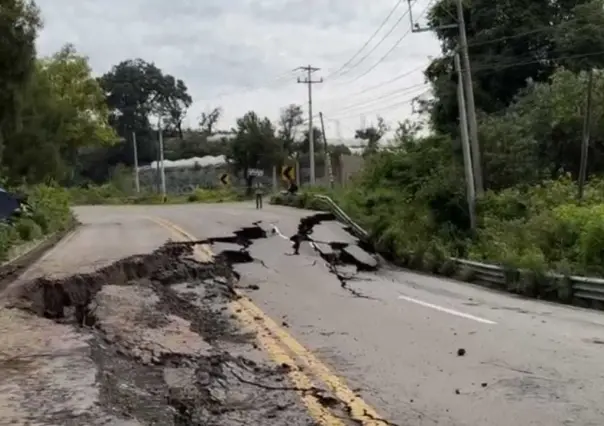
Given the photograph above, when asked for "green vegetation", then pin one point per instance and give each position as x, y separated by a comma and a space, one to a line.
411, 196
49, 213
111, 194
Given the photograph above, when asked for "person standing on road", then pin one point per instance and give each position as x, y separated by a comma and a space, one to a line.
258, 195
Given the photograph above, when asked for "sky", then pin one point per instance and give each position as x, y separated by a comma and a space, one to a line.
241, 55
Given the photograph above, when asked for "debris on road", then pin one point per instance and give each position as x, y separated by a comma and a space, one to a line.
163, 345
461, 352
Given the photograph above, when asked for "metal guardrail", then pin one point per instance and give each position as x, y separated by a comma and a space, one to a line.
343, 217
589, 289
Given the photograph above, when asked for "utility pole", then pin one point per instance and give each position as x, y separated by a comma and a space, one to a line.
162, 170
465, 143
586, 134
327, 154
473, 125
137, 183
309, 81
469, 90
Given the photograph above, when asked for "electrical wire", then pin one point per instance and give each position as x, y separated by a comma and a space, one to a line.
396, 24
401, 91
383, 108
379, 85
502, 66
398, 42
489, 67
538, 30
386, 19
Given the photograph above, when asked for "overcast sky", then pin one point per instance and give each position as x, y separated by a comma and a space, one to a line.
239, 54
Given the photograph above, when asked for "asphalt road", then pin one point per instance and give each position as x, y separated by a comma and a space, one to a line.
409, 348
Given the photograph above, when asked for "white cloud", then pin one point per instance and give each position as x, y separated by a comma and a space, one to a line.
231, 52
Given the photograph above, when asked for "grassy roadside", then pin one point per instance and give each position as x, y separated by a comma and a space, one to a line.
402, 242
50, 214
110, 195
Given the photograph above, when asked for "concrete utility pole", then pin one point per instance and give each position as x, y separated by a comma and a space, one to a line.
162, 170
309, 81
465, 143
137, 183
473, 125
469, 90
586, 134
327, 154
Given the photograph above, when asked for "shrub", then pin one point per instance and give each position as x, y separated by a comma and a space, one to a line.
28, 229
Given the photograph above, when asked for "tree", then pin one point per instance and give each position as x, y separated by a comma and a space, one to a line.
64, 112
539, 135
136, 91
303, 146
176, 101
290, 120
207, 121
19, 24
255, 145
372, 136
510, 44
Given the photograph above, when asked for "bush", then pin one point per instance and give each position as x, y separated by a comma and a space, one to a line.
28, 229
49, 213
529, 230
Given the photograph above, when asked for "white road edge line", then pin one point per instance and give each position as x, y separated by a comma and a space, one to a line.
447, 310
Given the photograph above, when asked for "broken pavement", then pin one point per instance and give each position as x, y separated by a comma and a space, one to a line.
147, 339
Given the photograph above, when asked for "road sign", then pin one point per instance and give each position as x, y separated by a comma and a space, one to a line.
225, 179
288, 173
255, 172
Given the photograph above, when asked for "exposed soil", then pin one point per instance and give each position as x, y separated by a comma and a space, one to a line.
162, 335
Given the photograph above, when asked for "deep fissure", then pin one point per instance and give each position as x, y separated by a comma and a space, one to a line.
72, 300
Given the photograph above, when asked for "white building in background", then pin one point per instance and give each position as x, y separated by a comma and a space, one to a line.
189, 163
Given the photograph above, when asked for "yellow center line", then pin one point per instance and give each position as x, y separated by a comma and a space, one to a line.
359, 409
301, 381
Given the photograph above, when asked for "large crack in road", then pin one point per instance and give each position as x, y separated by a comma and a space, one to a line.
167, 349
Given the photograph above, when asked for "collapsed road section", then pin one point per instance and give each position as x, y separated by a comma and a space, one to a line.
146, 340
153, 339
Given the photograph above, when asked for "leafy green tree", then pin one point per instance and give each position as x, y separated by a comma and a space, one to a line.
515, 42
539, 135
303, 146
64, 112
255, 145
19, 25
290, 121
176, 101
137, 91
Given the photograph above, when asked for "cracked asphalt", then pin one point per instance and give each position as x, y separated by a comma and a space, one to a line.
292, 323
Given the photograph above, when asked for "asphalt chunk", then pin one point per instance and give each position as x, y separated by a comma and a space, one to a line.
157, 326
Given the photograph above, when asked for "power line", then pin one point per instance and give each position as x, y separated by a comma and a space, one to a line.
391, 49
383, 108
396, 6
502, 66
541, 29
379, 85
401, 91
396, 24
